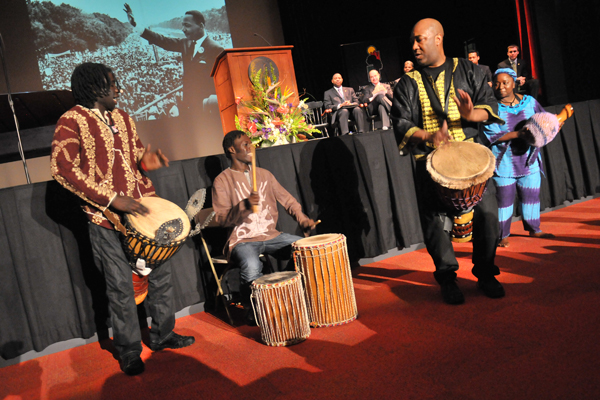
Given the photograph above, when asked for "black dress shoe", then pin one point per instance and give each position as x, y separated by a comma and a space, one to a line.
174, 341
451, 292
132, 364
491, 287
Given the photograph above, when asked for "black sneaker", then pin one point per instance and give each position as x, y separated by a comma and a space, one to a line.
132, 364
451, 292
174, 341
491, 287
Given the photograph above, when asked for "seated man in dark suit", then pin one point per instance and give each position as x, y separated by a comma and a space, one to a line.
526, 82
377, 97
474, 58
338, 100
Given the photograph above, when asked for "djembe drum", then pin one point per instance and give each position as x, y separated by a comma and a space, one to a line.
153, 238
461, 171
280, 308
323, 262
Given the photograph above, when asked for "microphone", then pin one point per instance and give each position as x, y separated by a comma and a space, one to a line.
266, 41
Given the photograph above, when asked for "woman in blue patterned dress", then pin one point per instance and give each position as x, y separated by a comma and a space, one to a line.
518, 165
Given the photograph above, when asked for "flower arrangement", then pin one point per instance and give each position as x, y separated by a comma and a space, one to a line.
269, 118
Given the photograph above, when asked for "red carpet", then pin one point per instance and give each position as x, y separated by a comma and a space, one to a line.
539, 342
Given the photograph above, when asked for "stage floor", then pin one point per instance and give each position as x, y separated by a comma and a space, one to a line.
537, 342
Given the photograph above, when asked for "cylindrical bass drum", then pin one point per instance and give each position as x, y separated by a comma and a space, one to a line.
323, 262
153, 238
280, 308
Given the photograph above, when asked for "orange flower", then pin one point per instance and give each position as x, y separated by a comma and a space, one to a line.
238, 100
277, 121
283, 110
252, 127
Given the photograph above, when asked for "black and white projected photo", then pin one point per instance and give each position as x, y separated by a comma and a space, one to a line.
163, 63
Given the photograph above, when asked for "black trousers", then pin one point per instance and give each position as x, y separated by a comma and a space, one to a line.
486, 229
112, 262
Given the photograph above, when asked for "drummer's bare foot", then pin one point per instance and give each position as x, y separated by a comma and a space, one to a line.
504, 243
541, 235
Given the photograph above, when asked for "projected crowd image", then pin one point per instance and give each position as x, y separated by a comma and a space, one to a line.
163, 63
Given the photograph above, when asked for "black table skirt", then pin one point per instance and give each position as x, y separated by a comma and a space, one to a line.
356, 185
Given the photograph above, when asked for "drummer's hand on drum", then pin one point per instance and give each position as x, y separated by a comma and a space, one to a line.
440, 136
154, 160
129, 205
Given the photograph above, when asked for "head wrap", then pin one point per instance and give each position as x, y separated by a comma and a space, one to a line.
508, 71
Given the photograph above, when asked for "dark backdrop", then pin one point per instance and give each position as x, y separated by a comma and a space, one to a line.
565, 33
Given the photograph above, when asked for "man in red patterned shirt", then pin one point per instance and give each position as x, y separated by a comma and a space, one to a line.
97, 154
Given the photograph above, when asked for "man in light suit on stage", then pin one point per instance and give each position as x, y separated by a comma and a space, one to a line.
338, 101
198, 54
524, 79
377, 97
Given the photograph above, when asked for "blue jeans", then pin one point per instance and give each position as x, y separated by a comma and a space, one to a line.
110, 258
246, 254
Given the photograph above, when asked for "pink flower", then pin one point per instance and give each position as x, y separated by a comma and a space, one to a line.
277, 122
283, 110
238, 100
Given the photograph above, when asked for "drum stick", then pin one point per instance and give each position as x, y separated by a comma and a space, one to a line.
254, 186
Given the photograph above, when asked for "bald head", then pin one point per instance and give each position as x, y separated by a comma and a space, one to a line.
430, 24
427, 39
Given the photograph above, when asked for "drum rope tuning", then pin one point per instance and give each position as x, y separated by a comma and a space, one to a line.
324, 265
278, 303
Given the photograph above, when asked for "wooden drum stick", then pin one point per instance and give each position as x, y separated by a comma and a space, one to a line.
254, 186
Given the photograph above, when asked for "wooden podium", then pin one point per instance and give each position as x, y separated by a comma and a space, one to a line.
232, 77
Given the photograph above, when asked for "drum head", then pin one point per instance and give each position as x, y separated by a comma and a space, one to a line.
161, 211
460, 165
275, 278
317, 240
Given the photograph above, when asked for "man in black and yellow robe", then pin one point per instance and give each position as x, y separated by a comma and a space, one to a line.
421, 123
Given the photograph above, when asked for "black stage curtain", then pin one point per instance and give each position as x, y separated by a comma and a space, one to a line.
356, 185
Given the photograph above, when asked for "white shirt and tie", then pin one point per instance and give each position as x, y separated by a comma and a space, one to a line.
340, 91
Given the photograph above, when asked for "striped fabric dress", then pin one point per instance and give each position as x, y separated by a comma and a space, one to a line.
518, 166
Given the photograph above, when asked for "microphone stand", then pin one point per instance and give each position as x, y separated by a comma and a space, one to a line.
12, 107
